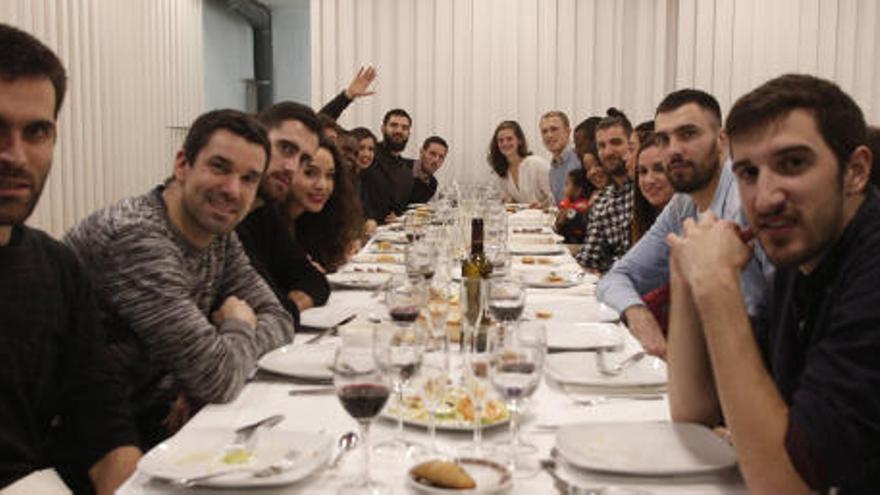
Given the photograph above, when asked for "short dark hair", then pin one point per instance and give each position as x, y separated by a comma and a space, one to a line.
614, 117
234, 121
395, 112
273, 116
646, 140
838, 118
434, 140
578, 177
24, 56
588, 125
682, 97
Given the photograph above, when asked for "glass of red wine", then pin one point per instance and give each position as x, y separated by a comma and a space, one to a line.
363, 389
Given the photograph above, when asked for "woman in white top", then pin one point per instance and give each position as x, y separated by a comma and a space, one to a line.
522, 177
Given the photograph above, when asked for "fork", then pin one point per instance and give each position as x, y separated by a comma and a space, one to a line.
618, 368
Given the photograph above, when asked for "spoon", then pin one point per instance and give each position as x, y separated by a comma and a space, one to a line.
347, 441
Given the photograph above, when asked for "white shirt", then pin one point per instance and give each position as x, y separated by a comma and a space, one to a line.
534, 182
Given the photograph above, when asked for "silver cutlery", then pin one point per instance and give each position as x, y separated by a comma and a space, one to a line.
603, 399
569, 488
620, 367
312, 391
347, 441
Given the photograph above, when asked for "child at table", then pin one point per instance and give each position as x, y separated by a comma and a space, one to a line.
571, 221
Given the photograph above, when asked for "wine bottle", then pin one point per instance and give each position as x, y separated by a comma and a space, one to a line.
475, 269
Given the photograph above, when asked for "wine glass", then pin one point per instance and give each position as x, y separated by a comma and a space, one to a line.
398, 350
507, 299
499, 256
515, 373
432, 385
475, 378
404, 297
438, 312
471, 301
413, 226
421, 260
363, 390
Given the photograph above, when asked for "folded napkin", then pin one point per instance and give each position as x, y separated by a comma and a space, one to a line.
44, 482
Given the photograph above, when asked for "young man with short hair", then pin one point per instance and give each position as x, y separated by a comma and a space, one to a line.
799, 392
432, 155
266, 238
610, 218
692, 144
187, 314
556, 134
58, 392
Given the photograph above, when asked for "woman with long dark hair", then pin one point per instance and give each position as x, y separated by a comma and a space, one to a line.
522, 176
323, 210
653, 189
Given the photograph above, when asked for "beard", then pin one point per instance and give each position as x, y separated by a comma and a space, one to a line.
16, 211
394, 144
699, 177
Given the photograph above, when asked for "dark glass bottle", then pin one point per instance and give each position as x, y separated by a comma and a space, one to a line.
475, 269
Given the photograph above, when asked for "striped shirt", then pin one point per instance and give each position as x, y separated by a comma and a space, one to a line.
157, 292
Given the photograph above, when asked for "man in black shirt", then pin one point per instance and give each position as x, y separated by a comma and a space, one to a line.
387, 186
57, 392
431, 158
800, 394
281, 261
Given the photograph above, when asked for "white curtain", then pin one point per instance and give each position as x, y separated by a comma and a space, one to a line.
136, 81
462, 66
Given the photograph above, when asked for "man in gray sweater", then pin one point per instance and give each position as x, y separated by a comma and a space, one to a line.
187, 315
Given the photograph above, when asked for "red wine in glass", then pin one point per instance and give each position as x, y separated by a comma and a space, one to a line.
404, 314
363, 401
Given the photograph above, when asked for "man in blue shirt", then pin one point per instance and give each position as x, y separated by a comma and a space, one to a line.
689, 136
799, 390
556, 133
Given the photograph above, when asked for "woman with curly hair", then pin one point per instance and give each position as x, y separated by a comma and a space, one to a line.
322, 209
522, 176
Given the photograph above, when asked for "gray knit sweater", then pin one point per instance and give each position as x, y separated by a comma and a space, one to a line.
157, 292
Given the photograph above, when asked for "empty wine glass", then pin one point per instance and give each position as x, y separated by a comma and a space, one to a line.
363, 390
499, 256
421, 260
432, 385
475, 381
398, 350
515, 373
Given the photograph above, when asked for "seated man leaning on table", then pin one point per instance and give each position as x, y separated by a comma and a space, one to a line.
693, 147
186, 314
801, 393
58, 391
274, 253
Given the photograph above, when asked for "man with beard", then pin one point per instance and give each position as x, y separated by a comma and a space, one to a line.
609, 219
58, 392
691, 142
388, 186
264, 233
799, 388
187, 315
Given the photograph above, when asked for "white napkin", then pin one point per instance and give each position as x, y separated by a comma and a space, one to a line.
326, 316
44, 482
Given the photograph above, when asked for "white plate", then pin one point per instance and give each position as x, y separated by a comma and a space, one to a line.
536, 238
357, 280
411, 418
570, 308
389, 236
199, 451
490, 476
579, 368
540, 261
539, 279
311, 362
385, 247
573, 336
650, 449
392, 258
533, 249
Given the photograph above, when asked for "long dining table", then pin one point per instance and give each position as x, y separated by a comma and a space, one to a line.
553, 405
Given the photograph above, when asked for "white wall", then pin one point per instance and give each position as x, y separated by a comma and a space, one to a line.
229, 56
291, 37
461, 66
135, 81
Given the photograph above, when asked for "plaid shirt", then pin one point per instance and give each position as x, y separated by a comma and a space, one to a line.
608, 232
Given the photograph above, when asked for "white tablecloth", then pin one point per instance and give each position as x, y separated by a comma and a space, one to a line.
549, 406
